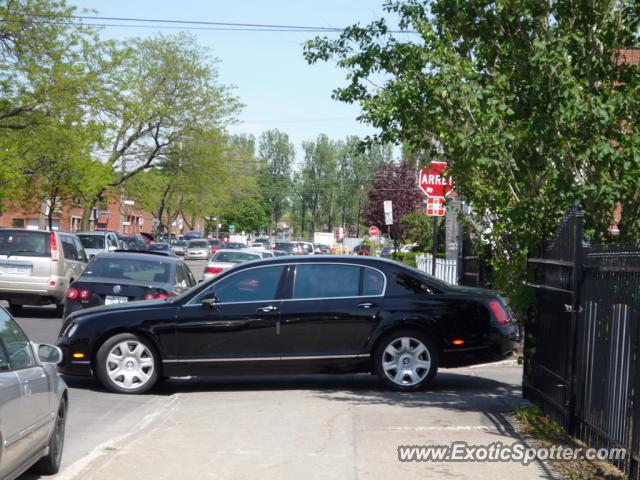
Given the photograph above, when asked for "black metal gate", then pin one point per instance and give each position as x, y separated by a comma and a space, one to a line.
582, 345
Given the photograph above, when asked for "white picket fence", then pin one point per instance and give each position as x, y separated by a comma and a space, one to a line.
446, 270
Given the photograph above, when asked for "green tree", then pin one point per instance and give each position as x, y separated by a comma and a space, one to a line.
531, 103
160, 91
276, 156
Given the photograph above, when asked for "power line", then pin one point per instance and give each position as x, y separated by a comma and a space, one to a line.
225, 26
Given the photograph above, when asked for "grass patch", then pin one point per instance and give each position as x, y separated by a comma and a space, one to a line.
540, 431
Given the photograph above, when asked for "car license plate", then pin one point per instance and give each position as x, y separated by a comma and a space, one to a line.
110, 300
18, 270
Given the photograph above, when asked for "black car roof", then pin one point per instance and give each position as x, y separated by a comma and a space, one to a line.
357, 259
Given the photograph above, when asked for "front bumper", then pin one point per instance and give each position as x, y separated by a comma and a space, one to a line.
71, 365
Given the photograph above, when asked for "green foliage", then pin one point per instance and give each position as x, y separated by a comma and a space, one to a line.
529, 102
409, 258
276, 156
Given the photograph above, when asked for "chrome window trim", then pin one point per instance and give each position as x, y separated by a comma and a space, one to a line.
384, 286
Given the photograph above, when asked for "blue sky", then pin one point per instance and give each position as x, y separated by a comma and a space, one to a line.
273, 80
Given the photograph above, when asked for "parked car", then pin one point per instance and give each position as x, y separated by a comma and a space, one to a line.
412, 247
320, 249
178, 246
264, 241
284, 315
197, 249
123, 277
306, 248
192, 235
99, 242
235, 245
228, 258
33, 403
258, 246
291, 248
279, 253
362, 250
160, 247
215, 244
37, 267
387, 251
132, 242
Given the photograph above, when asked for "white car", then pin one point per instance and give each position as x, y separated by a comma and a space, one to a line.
197, 249
225, 259
99, 242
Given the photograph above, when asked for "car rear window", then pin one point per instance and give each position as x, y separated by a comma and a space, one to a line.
215, 243
234, 257
129, 269
92, 241
24, 243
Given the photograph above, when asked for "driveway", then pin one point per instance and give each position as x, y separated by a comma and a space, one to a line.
342, 427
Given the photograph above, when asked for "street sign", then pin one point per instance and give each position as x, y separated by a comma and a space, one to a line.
232, 228
435, 207
433, 180
388, 212
374, 231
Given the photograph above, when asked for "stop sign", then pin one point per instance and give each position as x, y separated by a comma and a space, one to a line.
433, 180
374, 231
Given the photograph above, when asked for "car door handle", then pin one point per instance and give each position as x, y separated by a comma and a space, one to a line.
268, 308
365, 305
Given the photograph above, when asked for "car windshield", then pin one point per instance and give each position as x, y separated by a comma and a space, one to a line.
198, 244
128, 269
24, 243
215, 243
286, 247
92, 241
159, 246
178, 243
234, 257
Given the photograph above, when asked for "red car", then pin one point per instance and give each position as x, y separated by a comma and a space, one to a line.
215, 245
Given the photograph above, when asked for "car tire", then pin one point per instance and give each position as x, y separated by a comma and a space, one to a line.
126, 363
50, 463
15, 307
406, 360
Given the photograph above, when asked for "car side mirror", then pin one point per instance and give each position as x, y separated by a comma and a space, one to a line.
211, 304
49, 354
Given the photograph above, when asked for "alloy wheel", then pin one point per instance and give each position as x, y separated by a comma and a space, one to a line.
130, 365
406, 361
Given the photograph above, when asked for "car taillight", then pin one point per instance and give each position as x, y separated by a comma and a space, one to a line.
499, 312
53, 246
84, 294
72, 294
154, 296
213, 270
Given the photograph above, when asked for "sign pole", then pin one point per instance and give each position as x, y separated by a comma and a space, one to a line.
435, 246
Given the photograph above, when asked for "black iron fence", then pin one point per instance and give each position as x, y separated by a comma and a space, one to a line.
582, 348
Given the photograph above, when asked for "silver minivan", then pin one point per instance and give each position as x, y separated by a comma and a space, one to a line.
36, 267
33, 403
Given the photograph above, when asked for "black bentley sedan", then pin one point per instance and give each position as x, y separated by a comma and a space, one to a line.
293, 315
122, 277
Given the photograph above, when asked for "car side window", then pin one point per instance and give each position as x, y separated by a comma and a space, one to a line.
67, 248
253, 285
113, 242
407, 284
372, 282
80, 253
192, 279
5, 366
16, 342
181, 277
326, 281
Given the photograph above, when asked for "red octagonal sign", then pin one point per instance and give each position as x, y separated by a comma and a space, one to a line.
374, 231
433, 180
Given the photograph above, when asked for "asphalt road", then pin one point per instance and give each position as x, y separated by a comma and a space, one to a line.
95, 416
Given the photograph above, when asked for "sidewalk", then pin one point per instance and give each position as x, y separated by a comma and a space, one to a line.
316, 428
